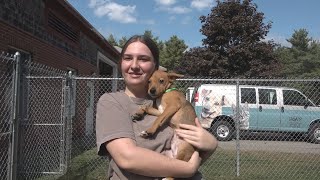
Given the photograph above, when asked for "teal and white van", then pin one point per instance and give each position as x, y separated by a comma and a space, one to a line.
262, 108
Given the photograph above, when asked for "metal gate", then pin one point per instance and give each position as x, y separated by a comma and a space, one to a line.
44, 127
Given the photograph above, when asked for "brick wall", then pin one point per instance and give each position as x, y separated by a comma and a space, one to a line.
41, 51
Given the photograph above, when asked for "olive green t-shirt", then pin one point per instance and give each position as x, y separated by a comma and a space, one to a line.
113, 120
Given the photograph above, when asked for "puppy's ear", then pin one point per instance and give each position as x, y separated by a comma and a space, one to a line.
173, 76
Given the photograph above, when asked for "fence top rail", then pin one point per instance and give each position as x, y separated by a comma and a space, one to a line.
208, 79
95, 78
256, 80
45, 77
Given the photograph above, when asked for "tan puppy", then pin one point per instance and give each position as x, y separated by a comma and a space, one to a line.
172, 107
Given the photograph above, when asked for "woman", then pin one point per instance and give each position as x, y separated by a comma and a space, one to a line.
133, 157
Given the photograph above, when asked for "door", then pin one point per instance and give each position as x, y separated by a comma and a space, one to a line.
296, 111
268, 111
248, 108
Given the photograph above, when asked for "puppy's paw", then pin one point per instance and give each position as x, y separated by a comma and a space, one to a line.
144, 134
167, 178
136, 116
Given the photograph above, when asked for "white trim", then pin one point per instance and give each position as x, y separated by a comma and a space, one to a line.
105, 59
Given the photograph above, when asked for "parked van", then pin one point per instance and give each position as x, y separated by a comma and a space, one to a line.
262, 108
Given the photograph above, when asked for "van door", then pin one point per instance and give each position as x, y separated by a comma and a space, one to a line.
269, 117
296, 111
248, 108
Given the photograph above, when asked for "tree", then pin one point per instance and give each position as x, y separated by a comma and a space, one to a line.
172, 53
112, 40
303, 58
300, 39
234, 32
159, 43
122, 41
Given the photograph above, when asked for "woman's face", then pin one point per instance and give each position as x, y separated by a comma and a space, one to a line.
137, 64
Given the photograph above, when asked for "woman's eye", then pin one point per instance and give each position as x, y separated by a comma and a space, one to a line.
127, 58
144, 59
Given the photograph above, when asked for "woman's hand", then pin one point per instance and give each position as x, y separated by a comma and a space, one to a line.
195, 162
197, 136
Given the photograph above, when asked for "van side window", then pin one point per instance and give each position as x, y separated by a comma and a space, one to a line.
267, 96
294, 98
248, 95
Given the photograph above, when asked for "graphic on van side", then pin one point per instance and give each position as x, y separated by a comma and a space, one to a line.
216, 104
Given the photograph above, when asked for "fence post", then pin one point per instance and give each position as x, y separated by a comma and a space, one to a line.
67, 120
15, 119
237, 119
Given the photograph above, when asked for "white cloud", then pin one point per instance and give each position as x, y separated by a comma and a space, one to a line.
165, 2
201, 4
179, 10
95, 3
114, 11
175, 9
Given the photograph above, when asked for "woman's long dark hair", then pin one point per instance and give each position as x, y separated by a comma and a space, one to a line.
148, 42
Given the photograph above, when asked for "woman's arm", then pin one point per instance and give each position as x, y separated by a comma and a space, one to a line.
149, 163
199, 138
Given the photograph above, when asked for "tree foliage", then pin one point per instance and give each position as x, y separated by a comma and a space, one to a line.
300, 39
233, 45
112, 40
302, 59
172, 53
122, 41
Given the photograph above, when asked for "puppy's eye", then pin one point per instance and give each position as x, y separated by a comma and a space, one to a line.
161, 81
149, 81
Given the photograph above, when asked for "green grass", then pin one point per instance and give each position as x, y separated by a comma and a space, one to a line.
261, 165
87, 165
221, 165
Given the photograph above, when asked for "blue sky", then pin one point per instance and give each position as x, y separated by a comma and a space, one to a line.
166, 18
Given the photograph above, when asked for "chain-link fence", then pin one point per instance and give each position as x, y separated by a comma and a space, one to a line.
268, 128
6, 107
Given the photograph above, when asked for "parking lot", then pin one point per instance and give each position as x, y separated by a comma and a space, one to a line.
272, 146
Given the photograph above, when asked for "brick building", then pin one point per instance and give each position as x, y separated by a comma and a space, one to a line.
53, 33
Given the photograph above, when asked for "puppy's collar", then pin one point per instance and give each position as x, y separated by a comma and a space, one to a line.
171, 89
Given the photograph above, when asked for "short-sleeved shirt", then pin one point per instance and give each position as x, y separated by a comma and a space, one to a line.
113, 120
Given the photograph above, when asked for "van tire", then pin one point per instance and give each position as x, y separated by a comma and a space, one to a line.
314, 133
222, 130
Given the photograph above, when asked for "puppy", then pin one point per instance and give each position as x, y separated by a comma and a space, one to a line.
172, 108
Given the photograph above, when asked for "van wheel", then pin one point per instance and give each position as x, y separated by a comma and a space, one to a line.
314, 133
222, 130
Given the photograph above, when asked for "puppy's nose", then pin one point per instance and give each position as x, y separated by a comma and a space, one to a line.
153, 90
